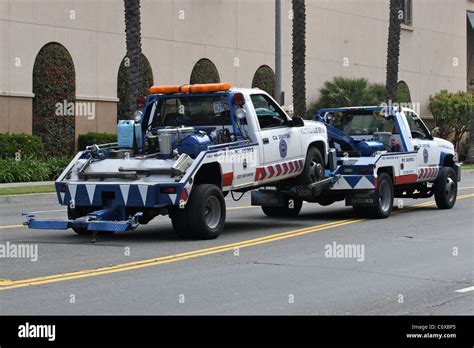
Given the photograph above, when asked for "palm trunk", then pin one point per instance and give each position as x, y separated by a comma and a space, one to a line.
299, 56
134, 49
393, 49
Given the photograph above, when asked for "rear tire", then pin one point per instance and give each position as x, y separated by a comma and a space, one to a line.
180, 223
446, 188
206, 211
385, 194
285, 211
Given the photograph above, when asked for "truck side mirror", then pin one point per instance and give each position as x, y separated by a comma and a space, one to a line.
297, 121
435, 131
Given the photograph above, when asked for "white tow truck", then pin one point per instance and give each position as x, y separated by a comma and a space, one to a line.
189, 147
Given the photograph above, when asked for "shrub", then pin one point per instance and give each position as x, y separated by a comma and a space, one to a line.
32, 169
22, 171
342, 92
56, 166
29, 146
95, 138
452, 114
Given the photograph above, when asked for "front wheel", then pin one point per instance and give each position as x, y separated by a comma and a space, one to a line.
313, 170
446, 188
206, 212
291, 208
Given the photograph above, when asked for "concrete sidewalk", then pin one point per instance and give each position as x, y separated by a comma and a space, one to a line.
23, 184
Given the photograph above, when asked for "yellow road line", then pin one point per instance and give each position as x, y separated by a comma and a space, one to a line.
11, 284
6, 284
11, 226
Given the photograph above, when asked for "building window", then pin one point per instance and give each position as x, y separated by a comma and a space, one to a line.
406, 7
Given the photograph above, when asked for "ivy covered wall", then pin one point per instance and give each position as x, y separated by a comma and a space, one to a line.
53, 85
123, 107
264, 79
204, 71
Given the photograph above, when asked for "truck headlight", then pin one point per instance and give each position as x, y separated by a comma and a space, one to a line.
455, 156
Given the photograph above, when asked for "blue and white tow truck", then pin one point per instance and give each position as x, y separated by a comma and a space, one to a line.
189, 147
377, 154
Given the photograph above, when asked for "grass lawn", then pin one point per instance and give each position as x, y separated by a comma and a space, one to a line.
467, 166
26, 189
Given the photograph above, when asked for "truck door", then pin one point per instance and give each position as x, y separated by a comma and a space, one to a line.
279, 141
428, 150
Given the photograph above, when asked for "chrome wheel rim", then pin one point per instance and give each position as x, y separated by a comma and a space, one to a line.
212, 212
384, 196
316, 171
450, 189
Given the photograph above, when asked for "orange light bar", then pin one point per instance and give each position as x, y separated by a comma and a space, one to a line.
164, 89
197, 88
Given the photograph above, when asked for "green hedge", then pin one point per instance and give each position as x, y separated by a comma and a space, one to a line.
95, 138
29, 146
32, 169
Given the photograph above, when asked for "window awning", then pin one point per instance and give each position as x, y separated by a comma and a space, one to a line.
470, 16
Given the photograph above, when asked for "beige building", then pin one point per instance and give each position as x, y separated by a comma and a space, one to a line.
344, 38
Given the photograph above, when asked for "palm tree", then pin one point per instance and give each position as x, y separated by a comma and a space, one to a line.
134, 49
299, 56
393, 49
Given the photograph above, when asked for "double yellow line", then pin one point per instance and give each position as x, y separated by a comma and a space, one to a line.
12, 284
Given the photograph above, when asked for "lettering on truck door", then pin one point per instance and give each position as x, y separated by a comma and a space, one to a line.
428, 152
280, 142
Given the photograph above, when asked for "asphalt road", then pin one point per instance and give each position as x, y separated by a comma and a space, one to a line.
412, 263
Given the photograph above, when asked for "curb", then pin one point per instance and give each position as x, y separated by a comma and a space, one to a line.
31, 183
26, 197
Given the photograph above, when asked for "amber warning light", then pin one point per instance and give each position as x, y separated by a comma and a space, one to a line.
197, 88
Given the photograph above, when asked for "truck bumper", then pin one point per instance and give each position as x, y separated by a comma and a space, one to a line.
457, 169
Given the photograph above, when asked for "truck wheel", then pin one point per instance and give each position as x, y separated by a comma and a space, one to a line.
446, 188
385, 196
180, 222
313, 170
206, 211
285, 211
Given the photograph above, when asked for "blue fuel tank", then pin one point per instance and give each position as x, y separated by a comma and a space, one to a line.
192, 145
368, 148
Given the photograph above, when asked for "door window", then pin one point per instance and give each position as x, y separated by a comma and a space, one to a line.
269, 115
417, 127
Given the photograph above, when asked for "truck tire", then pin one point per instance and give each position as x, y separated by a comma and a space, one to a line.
206, 211
180, 222
446, 188
385, 194
313, 170
285, 211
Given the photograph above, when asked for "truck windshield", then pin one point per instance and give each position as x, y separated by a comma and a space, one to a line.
194, 111
362, 123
